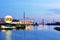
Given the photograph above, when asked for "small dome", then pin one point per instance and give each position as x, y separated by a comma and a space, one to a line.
8, 19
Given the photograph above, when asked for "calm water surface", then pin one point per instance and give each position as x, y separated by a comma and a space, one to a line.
39, 33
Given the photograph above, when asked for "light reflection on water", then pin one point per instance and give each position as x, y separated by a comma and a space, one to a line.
35, 34
45, 27
8, 35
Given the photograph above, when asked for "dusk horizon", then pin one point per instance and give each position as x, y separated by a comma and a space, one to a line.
49, 9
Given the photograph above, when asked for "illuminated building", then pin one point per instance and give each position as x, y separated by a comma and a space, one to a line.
27, 23
8, 19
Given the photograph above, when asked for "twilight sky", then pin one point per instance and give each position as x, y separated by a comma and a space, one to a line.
49, 9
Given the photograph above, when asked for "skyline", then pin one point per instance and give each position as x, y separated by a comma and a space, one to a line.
49, 9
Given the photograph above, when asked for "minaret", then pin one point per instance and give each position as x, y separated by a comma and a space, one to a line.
24, 17
24, 20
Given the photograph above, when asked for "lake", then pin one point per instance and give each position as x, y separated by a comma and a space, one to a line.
41, 32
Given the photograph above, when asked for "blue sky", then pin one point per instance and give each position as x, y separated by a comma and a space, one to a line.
33, 8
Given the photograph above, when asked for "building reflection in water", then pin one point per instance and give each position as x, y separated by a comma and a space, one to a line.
8, 35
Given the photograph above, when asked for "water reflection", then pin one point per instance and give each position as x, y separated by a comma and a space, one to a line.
8, 35
32, 34
45, 27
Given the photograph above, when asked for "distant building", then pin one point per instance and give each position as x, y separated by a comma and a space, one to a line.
27, 21
2, 20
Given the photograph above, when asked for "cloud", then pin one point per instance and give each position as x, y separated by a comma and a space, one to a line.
57, 11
